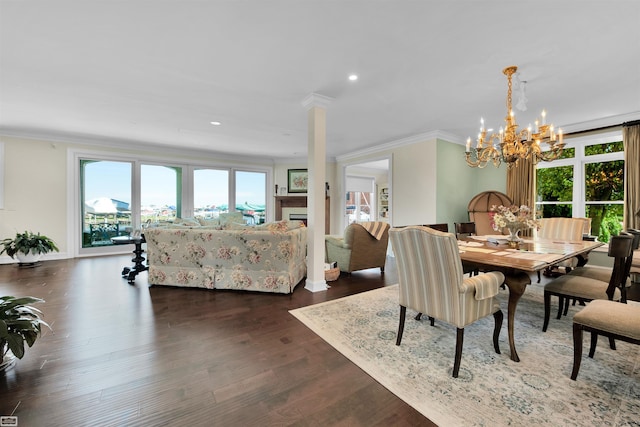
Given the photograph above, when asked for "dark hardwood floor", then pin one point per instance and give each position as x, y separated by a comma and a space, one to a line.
132, 355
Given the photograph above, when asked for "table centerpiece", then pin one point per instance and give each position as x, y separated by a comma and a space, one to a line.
514, 219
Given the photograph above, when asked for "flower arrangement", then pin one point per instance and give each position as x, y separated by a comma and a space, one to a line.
513, 217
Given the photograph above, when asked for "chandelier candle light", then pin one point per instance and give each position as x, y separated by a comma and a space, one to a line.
510, 144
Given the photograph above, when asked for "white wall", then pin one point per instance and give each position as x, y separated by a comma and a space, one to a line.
37, 181
35, 196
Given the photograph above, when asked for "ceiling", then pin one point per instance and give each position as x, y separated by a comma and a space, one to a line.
138, 72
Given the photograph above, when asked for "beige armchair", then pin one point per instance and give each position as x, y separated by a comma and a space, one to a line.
564, 230
359, 249
431, 282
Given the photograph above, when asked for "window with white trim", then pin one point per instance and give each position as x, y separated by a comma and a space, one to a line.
588, 181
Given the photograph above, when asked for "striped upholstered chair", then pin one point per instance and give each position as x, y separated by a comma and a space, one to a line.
431, 281
563, 230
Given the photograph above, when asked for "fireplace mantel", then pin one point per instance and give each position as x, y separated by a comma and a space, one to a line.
301, 202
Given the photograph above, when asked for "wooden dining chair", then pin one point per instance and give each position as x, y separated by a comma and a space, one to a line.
585, 289
465, 229
604, 274
431, 281
444, 227
614, 320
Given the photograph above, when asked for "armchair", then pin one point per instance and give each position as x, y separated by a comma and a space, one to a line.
359, 249
566, 230
431, 282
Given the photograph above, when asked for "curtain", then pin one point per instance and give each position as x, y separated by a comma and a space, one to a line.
631, 141
521, 185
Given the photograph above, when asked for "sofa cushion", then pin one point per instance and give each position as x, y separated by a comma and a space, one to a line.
186, 221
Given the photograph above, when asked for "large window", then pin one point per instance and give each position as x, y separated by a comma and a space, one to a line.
250, 195
587, 182
210, 192
117, 196
160, 193
105, 195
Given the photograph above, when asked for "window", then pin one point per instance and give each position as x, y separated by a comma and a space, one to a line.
160, 193
210, 192
360, 196
118, 195
105, 201
250, 195
586, 182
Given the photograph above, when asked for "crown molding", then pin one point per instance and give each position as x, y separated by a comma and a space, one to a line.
601, 123
428, 136
316, 100
132, 145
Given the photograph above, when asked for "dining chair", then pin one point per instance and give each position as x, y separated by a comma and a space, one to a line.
431, 281
585, 289
444, 227
564, 230
604, 274
635, 259
465, 229
611, 319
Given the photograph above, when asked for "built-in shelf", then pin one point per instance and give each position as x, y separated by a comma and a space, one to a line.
301, 202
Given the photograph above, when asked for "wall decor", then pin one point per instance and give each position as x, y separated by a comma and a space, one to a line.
298, 180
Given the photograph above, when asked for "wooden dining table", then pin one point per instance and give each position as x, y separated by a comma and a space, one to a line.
517, 263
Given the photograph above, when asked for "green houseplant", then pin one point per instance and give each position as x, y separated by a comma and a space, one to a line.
20, 324
28, 246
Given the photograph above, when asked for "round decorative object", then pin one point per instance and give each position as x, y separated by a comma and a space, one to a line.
513, 240
28, 258
7, 361
331, 274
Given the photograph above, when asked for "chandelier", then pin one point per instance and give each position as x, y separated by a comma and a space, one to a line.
510, 144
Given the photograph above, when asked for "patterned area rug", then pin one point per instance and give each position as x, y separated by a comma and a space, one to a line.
491, 390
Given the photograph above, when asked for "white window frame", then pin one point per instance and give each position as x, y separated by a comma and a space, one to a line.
74, 156
579, 161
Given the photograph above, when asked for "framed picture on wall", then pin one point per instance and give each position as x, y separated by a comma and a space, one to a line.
298, 180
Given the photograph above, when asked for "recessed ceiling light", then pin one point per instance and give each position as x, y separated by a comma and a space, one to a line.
216, 123
353, 77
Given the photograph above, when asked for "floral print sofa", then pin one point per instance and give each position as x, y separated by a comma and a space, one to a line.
267, 258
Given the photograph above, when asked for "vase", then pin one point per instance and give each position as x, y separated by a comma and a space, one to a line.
513, 240
7, 361
28, 258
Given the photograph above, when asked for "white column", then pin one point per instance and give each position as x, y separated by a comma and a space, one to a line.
316, 164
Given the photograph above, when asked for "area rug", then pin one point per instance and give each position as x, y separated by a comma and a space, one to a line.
491, 390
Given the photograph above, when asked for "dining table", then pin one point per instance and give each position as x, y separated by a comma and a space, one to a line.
530, 255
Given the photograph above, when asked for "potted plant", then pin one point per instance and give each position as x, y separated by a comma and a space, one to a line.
19, 324
28, 247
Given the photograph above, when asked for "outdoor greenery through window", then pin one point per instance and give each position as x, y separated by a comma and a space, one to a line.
588, 181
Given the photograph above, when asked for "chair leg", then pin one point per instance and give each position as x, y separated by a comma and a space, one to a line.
538, 276
403, 313
594, 343
566, 306
577, 349
458, 357
498, 317
560, 306
418, 316
547, 311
